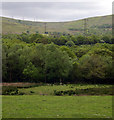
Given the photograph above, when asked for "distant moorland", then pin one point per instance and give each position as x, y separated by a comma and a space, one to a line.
94, 25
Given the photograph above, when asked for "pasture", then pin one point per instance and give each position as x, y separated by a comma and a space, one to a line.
42, 103
35, 106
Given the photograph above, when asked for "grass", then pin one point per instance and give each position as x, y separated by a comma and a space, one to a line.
35, 106
40, 102
23, 26
49, 89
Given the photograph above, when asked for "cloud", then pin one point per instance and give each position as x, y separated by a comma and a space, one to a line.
53, 11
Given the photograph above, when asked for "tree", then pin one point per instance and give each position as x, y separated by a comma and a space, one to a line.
61, 40
38, 57
13, 63
58, 63
82, 50
27, 31
80, 39
94, 67
4, 63
70, 43
69, 51
93, 39
24, 37
106, 39
30, 72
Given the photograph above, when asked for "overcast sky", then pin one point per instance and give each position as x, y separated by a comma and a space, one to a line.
56, 11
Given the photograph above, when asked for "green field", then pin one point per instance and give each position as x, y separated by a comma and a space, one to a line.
34, 106
42, 103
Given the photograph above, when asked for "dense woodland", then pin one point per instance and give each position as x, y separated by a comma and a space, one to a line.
57, 58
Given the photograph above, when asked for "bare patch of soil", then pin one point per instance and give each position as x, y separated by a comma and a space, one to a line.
18, 84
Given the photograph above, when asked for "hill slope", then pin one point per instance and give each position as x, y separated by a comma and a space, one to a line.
95, 25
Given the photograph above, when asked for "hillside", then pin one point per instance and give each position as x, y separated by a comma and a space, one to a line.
95, 25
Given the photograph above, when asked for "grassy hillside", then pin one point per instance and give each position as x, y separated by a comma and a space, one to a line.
95, 25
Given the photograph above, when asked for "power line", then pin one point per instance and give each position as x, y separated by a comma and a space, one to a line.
85, 27
45, 27
34, 19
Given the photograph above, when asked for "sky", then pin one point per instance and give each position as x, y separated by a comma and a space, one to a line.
56, 10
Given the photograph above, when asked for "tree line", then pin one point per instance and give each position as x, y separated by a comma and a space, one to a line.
56, 59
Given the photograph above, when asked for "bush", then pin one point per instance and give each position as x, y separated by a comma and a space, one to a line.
9, 90
88, 91
21, 93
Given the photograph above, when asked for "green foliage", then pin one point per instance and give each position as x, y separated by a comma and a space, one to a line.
70, 43
69, 51
88, 91
80, 39
24, 37
106, 39
30, 72
58, 63
94, 67
9, 90
64, 58
101, 51
82, 50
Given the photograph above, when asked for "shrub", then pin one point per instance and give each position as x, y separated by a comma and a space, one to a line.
88, 91
9, 90
21, 93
